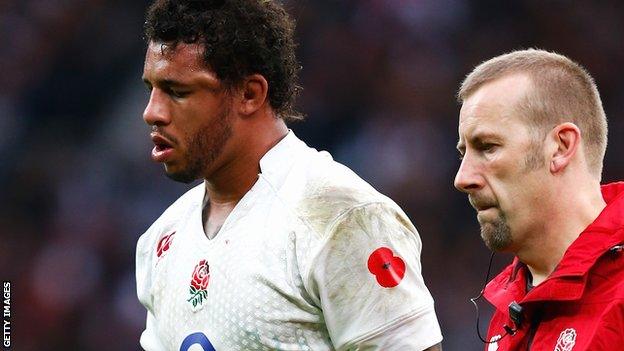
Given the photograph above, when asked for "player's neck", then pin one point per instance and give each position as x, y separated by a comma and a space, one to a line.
229, 190
236, 177
569, 217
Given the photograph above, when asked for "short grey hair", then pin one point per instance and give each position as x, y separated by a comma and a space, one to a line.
563, 91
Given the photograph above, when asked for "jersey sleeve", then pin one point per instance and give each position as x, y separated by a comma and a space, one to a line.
144, 266
367, 279
149, 338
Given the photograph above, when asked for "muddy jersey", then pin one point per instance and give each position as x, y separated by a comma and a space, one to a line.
311, 258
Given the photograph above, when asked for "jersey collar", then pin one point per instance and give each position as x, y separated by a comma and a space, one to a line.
278, 161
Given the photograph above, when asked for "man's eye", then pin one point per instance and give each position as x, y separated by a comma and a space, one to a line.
488, 147
177, 93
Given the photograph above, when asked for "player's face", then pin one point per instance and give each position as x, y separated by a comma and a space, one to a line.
188, 110
502, 169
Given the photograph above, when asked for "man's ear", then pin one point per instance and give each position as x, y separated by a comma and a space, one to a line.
253, 94
567, 138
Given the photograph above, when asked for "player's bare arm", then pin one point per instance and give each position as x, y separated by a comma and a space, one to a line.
437, 347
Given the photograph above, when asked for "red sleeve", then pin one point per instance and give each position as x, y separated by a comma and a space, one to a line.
609, 335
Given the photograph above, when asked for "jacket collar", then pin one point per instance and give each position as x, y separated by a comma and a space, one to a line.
568, 280
598, 237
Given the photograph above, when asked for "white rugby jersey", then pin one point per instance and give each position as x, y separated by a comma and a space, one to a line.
311, 258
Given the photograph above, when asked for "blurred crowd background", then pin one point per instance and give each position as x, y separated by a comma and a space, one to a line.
379, 78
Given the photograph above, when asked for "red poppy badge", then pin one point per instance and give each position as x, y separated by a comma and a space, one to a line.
387, 268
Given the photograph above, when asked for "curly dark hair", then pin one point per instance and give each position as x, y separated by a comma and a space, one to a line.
240, 37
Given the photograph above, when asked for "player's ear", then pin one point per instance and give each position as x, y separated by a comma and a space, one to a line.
253, 94
566, 139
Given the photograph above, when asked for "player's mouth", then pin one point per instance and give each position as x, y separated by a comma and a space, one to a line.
481, 204
481, 208
163, 148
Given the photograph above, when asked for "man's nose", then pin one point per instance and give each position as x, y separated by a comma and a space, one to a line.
156, 112
468, 178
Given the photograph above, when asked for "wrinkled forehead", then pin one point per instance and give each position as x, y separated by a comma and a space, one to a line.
495, 104
473, 117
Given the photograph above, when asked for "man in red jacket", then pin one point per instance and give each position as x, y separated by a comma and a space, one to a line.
532, 136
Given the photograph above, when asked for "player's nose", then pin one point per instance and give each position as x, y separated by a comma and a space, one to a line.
468, 178
156, 111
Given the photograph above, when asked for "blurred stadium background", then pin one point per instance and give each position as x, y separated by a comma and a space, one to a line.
78, 187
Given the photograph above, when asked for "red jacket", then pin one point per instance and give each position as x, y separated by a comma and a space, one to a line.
580, 306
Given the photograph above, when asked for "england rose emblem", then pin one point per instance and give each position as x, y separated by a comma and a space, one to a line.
199, 283
566, 340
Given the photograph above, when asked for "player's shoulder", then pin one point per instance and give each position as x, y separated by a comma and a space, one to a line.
606, 278
171, 219
321, 190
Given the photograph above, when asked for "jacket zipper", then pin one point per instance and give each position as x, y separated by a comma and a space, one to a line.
535, 321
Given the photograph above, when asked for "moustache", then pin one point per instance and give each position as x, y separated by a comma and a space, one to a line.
481, 203
165, 135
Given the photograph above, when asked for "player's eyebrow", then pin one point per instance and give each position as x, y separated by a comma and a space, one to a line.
164, 82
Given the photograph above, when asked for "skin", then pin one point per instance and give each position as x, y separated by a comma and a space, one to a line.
533, 195
216, 133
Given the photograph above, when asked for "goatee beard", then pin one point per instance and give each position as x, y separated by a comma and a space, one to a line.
496, 234
204, 147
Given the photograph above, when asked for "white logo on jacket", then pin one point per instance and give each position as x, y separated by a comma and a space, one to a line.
493, 346
566, 340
